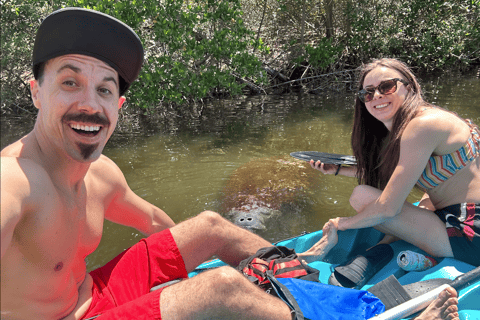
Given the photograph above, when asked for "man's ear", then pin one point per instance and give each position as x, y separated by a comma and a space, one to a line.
34, 92
121, 101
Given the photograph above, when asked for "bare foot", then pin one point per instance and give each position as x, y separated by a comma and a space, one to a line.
320, 249
444, 307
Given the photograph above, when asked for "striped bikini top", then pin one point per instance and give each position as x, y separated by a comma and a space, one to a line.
440, 168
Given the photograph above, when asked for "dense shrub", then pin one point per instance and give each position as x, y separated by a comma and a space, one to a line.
429, 34
192, 50
206, 48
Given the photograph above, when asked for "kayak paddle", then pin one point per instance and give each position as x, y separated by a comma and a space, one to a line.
328, 158
392, 293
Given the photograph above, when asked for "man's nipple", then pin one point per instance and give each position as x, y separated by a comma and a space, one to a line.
58, 266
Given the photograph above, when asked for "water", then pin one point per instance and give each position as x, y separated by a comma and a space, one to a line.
184, 169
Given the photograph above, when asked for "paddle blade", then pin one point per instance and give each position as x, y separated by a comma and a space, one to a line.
419, 288
328, 158
390, 292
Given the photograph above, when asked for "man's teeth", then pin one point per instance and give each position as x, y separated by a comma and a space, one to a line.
85, 128
381, 106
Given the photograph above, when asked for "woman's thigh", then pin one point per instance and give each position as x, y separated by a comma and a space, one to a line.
415, 225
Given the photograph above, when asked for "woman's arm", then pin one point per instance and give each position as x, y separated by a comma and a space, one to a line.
419, 140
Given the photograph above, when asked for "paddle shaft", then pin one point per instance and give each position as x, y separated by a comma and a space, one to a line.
466, 279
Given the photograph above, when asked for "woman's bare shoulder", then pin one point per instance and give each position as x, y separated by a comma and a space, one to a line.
436, 121
438, 116
445, 129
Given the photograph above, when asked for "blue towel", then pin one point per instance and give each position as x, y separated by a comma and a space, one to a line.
320, 301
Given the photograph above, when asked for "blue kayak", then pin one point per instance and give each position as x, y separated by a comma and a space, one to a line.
353, 242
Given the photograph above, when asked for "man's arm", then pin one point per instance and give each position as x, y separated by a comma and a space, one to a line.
14, 191
10, 215
125, 207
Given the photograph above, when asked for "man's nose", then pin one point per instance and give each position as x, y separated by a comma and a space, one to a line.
89, 101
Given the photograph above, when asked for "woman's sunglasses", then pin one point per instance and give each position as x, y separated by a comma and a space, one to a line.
385, 87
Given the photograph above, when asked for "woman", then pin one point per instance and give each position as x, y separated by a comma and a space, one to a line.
401, 141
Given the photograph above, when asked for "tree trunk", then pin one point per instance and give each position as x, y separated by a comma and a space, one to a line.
348, 24
329, 18
303, 24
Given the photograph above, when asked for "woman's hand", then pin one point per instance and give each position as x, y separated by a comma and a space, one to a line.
323, 167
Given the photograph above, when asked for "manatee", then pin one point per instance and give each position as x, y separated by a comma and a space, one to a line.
266, 188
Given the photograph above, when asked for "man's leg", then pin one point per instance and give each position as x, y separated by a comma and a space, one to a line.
222, 293
208, 234
445, 307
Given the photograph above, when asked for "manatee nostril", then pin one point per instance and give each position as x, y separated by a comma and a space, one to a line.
249, 219
241, 219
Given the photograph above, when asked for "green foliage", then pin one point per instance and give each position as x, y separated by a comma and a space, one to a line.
430, 34
204, 48
323, 54
19, 21
193, 49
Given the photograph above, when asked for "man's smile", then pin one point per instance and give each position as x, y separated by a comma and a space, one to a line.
85, 129
86, 125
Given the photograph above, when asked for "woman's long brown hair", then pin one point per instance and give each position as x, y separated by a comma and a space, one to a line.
377, 150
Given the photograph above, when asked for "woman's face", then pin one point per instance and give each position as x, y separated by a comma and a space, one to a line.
384, 106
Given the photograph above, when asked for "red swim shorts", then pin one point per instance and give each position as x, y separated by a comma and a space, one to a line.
121, 288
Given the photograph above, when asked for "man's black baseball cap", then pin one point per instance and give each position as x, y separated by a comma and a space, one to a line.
91, 33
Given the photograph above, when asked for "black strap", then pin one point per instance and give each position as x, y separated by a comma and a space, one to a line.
338, 169
287, 297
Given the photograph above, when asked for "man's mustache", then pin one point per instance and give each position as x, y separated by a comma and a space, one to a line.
89, 118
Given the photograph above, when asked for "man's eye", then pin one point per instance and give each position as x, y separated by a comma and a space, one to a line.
104, 91
69, 83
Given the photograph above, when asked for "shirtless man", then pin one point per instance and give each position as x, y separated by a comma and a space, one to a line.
57, 189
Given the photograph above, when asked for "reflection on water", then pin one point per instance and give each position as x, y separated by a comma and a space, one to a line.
185, 170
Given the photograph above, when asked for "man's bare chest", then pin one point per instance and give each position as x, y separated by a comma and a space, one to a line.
61, 232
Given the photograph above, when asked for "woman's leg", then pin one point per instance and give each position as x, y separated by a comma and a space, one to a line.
415, 225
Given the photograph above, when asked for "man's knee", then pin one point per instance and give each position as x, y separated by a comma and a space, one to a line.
212, 218
229, 276
227, 280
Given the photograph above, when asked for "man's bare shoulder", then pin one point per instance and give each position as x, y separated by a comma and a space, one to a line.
24, 187
15, 149
22, 168
107, 171
23, 177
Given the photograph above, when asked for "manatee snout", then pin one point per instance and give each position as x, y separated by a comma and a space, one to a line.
254, 219
249, 221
